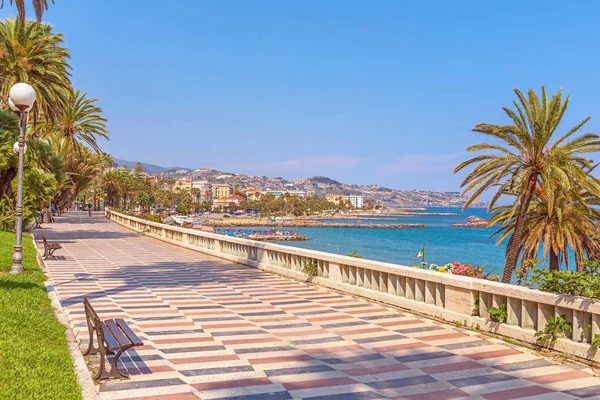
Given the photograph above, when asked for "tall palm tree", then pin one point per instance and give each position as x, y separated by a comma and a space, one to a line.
80, 121
82, 165
31, 53
39, 6
573, 223
526, 157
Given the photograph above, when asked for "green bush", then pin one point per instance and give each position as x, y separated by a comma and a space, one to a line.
354, 254
151, 217
498, 314
584, 283
311, 268
555, 326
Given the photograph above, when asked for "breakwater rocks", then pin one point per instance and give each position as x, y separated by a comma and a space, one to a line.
268, 235
245, 222
473, 222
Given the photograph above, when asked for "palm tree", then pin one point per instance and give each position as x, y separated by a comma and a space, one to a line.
31, 53
525, 158
39, 7
80, 121
113, 186
84, 167
572, 223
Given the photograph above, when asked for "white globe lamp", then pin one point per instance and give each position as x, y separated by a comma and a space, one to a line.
16, 148
22, 96
14, 108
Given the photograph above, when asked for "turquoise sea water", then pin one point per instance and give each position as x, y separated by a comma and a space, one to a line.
399, 246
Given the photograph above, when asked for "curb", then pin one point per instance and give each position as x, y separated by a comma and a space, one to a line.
89, 390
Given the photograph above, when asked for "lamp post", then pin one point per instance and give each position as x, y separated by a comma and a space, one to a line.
21, 99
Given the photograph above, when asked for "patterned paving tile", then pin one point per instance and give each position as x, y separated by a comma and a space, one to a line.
217, 330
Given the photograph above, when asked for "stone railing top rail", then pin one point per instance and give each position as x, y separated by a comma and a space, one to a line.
481, 285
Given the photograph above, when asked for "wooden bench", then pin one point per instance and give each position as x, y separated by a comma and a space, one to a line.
50, 248
111, 335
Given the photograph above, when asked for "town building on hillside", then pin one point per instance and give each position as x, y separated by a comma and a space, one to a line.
226, 201
356, 201
204, 188
220, 190
334, 198
278, 193
252, 194
183, 184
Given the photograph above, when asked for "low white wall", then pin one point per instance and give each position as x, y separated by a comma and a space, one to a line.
444, 296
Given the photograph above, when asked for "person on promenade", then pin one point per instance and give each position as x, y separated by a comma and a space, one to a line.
89, 209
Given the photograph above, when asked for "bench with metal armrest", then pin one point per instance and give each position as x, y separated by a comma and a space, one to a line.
50, 248
111, 335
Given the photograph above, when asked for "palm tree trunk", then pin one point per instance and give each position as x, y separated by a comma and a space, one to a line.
6, 178
553, 260
514, 244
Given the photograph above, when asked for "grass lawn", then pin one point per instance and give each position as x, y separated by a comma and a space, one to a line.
34, 359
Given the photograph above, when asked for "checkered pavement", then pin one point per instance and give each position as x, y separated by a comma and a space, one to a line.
213, 329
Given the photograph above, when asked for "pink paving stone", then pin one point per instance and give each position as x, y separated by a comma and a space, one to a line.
558, 377
493, 354
334, 349
445, 336
400, 322
205, 359
397, 347
517, 393
441, 395
317, 383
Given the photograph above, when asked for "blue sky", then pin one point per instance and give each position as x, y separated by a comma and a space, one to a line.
381, 92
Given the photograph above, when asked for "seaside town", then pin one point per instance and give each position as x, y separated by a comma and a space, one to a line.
225, 189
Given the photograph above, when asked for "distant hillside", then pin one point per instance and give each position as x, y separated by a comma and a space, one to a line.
150, 168
318, 185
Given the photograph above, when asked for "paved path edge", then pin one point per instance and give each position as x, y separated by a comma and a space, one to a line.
89, 390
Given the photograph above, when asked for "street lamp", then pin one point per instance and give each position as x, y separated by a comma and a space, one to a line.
21, 99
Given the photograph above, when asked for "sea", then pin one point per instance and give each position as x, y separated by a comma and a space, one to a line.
443, 243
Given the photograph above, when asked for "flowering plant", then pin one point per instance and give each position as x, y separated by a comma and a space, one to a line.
443, 268
467, 270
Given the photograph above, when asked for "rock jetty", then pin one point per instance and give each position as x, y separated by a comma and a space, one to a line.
302, 224
472, 222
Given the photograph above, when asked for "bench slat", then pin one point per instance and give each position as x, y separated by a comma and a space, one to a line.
110, 340
116, 332
127, 331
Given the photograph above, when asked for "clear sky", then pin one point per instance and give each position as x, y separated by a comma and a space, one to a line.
381, 92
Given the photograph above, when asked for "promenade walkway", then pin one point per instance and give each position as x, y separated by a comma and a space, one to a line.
213, 330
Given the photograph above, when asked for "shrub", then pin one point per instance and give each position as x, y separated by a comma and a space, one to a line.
311, 268
354, 254
584, 283
555, 326
151, 217
498, 314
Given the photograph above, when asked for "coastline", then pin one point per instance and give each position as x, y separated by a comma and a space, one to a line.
231, 222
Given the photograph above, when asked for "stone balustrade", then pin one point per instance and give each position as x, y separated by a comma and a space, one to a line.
447, 297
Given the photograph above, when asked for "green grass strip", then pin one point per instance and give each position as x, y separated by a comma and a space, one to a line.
35, 362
